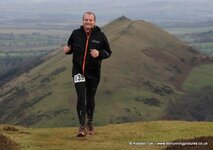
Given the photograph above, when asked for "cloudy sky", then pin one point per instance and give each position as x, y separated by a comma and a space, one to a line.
107, 10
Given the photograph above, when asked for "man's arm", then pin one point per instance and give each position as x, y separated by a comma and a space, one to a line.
68, 48
105, 52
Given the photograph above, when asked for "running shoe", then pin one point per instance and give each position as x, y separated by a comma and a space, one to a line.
90, 129
82, 131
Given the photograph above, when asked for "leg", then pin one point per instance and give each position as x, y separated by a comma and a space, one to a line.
81, 107
91, 87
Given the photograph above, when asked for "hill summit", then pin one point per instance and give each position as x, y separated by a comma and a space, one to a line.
145, 71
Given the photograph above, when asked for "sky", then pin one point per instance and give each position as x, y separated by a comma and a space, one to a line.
107, 10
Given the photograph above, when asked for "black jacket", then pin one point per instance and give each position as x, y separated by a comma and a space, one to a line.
83, 62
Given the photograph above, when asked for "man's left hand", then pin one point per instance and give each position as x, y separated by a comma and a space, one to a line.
94, 53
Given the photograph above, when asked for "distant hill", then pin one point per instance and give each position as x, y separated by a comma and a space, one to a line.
153, 135
145, 72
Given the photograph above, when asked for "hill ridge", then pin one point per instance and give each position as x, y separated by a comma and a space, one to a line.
123, 17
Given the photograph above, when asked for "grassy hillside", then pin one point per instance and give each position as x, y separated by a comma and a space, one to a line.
109, 137
145, 72
199, 77
196, 105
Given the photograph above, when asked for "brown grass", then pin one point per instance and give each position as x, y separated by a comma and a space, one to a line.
8, 144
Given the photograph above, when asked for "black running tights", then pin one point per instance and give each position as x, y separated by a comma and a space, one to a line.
86, 100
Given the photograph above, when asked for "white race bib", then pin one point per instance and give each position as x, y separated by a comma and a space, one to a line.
79, 78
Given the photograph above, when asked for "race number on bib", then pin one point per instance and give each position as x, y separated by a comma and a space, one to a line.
79, 78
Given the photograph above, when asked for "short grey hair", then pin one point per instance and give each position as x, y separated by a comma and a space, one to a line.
90, 13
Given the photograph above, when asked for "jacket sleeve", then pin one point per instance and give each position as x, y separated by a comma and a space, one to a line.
105, 52
70, 43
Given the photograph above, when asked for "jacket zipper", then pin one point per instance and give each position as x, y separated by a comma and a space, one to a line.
85, 52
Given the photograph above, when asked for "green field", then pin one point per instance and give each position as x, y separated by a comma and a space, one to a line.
206, 48
193, 36
184, 30
30, 41
199, 77
28, 30
23, 48
138, 135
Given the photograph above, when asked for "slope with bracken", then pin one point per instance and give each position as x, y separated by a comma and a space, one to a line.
143, 74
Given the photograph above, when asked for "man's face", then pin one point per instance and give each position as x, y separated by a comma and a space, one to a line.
88, 21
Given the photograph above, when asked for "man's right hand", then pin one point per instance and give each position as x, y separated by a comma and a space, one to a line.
67, 49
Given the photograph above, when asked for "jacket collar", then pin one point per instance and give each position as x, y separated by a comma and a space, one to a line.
95, 29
